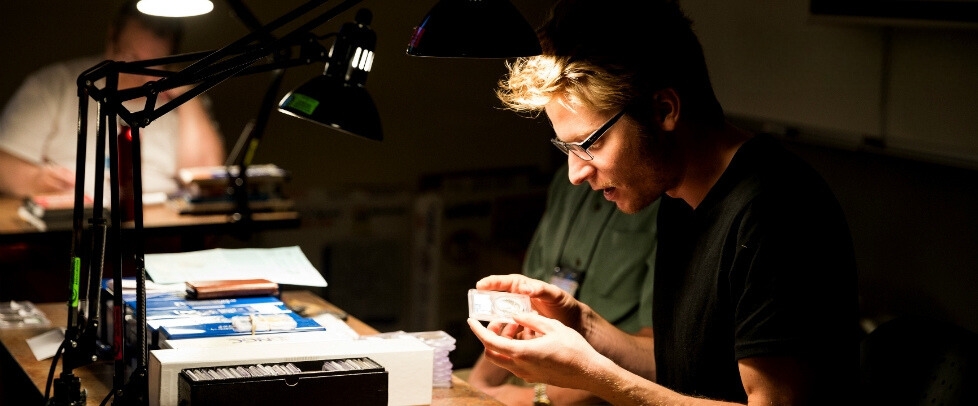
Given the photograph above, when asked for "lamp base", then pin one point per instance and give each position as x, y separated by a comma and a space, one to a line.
68, 391
136, 390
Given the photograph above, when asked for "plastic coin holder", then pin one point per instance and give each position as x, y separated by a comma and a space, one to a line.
488, 305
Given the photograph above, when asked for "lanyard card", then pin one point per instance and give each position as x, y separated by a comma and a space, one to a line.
568, 279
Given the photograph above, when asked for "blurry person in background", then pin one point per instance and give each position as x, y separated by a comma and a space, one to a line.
39, 124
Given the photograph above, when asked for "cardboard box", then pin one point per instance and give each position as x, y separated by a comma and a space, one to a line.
409, 362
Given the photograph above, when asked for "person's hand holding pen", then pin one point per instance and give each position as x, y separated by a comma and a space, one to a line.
53, 178
22, 178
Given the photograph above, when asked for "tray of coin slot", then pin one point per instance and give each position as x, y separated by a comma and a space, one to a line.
346, 381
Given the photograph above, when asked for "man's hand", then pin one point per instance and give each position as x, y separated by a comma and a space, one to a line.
537, 349
21, 178
53, 179
547, 299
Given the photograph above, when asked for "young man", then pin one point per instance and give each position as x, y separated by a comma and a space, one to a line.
754, 297
600, 256
39, 125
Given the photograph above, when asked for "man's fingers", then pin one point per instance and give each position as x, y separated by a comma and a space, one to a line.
535, 322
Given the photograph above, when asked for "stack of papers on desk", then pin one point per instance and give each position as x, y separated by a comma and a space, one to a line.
54, 211
171, 316
204, 189
284, 265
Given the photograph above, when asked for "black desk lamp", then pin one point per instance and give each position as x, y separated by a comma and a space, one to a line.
336, 99
207, 69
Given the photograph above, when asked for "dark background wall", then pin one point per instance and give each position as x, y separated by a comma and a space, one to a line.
885, 113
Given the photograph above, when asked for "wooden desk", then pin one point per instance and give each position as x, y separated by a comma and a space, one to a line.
97, 378
157, 219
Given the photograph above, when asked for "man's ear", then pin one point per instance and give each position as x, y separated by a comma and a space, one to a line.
666, 105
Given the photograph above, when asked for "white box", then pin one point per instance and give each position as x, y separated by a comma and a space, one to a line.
408, 361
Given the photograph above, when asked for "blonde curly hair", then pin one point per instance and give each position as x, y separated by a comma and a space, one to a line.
612, 55
534, 82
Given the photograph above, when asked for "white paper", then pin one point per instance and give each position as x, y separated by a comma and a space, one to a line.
45, 345
283, 265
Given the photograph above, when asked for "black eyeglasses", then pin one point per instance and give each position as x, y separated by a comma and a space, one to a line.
580, 149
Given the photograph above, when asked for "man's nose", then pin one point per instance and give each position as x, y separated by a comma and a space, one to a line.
578, 170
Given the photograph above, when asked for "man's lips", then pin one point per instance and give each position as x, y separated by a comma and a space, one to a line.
609, 193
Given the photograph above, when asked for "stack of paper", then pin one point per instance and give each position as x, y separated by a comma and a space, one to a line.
204, 189
284, 265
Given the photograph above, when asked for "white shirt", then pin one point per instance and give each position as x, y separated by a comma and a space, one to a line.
40, 124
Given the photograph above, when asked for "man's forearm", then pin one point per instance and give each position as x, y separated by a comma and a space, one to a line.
632, 352
485, 374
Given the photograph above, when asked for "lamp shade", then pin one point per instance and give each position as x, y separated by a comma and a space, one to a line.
474, 29
332, 102
338, 98
175, 8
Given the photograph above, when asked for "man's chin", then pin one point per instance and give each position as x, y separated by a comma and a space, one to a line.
626, 207
631, 206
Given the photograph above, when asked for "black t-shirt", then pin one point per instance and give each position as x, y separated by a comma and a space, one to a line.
763, 267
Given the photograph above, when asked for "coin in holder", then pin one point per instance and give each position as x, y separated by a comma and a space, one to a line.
489, 305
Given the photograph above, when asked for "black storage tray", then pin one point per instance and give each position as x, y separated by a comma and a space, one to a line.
347, 381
